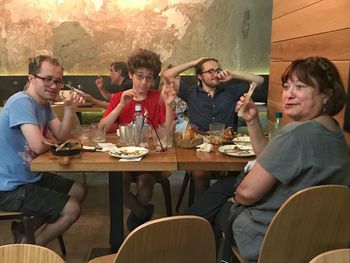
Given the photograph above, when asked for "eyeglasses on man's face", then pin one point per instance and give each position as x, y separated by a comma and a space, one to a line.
140, 76
50, 81
212, 71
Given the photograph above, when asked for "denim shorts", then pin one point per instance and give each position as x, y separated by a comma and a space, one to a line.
45, 198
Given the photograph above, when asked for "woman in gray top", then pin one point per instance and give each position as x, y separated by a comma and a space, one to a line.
309, 151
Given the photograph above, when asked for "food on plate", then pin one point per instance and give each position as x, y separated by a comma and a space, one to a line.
228, 134
129, 153
189, 133
67, 148
236, 149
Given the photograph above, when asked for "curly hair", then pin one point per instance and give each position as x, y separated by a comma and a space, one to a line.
320, 73
143, 58
34, 63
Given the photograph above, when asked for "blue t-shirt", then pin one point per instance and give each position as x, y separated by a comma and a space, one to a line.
15, 153
204, 109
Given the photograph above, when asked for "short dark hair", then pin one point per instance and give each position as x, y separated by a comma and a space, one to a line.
122, 66
34, 63
320, 73
143, 58
199, 67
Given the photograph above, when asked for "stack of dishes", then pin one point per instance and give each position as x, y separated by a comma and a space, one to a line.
242, 147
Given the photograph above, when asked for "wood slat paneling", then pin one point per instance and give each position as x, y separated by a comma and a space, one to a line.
323, 16
334, 45
283, 7
276, 71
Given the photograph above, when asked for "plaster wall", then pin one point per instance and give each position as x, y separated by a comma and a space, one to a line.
87, 35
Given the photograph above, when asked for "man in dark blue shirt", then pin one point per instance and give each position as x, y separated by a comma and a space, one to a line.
212, 100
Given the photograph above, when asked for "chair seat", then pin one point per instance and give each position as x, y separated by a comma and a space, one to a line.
28, 229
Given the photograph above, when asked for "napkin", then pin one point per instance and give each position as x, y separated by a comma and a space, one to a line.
205, 147
130, 159
106, 147
249, 166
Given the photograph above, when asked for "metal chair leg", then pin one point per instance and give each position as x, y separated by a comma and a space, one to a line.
62, 245
185, 181
167, 195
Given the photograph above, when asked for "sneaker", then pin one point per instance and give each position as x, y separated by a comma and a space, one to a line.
149, 212
133, 221
17, 230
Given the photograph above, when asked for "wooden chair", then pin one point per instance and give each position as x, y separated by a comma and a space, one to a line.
28, 229
182, 239
310, 222
59, 110
333, 256
25, 253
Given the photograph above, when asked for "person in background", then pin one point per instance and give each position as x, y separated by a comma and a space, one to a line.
180, 105
213, 99
144, 66
309, 151
26, 122
118, 73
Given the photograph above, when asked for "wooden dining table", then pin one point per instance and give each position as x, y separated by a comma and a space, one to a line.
171, 160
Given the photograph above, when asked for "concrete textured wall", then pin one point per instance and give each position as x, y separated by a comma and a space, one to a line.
87, 35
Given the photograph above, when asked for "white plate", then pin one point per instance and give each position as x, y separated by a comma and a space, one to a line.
237, 150
129, 152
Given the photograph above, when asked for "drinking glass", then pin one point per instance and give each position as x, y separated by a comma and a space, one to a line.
216, 133
127, 134
98, 134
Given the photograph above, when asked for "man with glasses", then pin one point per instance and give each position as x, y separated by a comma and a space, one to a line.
212, 100
144, 66
26, 123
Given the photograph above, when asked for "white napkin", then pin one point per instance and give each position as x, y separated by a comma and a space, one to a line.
130, 159
249, 166
205, 147
107, 146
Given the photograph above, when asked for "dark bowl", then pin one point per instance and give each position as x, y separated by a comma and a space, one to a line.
69, 150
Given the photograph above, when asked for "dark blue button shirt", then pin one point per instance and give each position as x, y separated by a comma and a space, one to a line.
204, 109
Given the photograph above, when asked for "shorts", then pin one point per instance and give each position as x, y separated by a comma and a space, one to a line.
45, 198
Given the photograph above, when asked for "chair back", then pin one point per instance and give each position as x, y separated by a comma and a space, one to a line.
333, 256
59, 110
185, 239
26, 253
310, 222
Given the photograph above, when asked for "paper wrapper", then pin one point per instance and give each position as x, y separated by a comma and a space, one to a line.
187, 143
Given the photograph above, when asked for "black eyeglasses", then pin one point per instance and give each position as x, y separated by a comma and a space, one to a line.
141, 77
50, 81
213, 71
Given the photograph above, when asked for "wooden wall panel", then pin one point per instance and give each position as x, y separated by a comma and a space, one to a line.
284, 7
323, 16
276, 71
275, 94
303, 28
333, 45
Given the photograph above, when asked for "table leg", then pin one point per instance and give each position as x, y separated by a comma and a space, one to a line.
116, 232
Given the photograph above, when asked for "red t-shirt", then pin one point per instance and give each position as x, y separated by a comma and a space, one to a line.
153, 105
